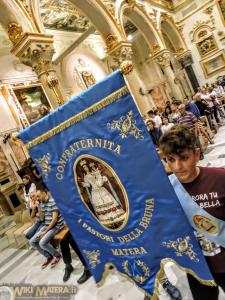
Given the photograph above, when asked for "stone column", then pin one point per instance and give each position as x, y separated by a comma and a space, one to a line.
186, 61
36, 50
163, 59
119, 55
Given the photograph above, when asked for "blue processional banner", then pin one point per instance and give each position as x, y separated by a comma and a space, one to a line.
98, 161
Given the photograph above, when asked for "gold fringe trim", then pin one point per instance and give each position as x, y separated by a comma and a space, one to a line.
159, 275
79, 117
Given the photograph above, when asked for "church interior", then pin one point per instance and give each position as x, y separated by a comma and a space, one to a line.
50, 52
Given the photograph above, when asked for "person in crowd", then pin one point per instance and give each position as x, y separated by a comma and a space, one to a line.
156, 119
189, 120
175, 114
167, 111
65, 244
202, 106
28, 188
208, 98
154, 132
53, 223
35, 213
191, 106
213, 96
166, 125
178, 146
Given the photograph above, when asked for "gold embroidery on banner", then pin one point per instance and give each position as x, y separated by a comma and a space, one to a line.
142, 270
182, 246
205, 224
127, 126
93, 257
158, 276
79, 117
44, 164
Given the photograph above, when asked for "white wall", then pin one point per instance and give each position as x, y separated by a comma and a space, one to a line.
12, 70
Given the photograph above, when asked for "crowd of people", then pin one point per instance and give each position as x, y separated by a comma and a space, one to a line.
176, 131
204, 112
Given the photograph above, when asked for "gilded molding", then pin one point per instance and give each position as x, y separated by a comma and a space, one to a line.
27, 12
126, 67
199, 26
79, 117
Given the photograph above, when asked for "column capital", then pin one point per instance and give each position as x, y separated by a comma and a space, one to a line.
36, 50
162, 58
185, 59
121, 53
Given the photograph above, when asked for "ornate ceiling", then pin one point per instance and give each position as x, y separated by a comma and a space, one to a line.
62, 15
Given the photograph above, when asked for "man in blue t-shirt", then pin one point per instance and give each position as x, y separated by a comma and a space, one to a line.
53, 223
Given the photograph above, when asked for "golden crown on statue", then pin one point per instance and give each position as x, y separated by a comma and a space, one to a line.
83, 162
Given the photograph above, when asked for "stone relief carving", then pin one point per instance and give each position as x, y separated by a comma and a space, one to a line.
207, 45
163, 58
120, 55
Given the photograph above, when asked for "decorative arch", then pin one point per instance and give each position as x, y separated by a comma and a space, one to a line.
200, 30
168, 27
99, 16
138, 16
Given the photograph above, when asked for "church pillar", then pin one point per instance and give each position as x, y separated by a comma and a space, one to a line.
121, 55
36, 50
186, 61
163, 59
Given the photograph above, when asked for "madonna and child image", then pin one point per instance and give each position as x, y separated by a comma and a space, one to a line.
101, 191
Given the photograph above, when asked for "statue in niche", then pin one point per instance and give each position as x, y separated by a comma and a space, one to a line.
85, 72
157, 96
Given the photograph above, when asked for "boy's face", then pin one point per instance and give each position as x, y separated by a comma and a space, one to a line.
184, 164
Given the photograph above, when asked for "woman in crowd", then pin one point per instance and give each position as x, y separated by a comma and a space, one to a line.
28, 188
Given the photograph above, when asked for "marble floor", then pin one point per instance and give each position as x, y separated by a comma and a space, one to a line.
22, 266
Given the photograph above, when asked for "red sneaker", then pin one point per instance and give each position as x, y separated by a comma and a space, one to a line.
47, 262
55, 261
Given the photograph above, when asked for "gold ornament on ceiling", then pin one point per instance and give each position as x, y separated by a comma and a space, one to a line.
15, 32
